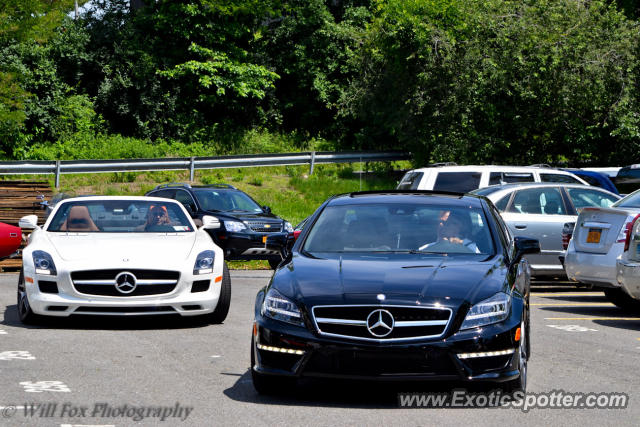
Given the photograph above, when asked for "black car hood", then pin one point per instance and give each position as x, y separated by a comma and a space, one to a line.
410, 279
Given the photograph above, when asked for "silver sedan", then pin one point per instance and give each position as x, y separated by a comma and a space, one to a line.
540, 211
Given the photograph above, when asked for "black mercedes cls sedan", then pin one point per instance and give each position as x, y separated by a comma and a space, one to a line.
397, 285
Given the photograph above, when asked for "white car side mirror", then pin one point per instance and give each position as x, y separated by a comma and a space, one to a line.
210, 222
29, 222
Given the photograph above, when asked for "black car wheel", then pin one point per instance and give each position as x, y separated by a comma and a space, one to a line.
268, 384
25, 313
224, 301
621, 299
520, 383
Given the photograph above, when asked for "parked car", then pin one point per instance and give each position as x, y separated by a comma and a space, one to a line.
10, 239
463, 179
121, 256
375, 287
245, 224
540, 211
596, 179
628, 179
600, 249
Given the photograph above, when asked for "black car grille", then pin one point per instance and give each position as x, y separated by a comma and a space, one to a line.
103, 282
408, 322
264, 227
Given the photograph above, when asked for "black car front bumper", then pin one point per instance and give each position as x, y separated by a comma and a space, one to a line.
287, 350
247, 246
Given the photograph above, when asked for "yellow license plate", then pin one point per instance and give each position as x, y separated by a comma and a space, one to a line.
264, 239
594, 235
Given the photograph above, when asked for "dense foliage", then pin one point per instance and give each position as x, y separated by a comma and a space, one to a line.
501, 81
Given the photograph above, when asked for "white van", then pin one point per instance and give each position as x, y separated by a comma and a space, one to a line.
462, 179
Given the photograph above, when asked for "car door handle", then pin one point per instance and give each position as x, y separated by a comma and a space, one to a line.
521, 226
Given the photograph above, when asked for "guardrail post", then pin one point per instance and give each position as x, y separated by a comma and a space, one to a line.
313, 160
192, 171
57, 173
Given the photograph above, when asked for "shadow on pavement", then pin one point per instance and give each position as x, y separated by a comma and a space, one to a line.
111, 323
342, 393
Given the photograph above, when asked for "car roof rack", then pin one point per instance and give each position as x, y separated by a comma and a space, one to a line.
440, 164
218, 185
174, 184
541, 165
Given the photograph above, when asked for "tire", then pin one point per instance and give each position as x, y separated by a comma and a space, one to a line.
621, 299
274, 263
25, 313
268, 384
520, 383
224, 301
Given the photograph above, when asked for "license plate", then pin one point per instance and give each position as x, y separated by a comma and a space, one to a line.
264, 239
594, 235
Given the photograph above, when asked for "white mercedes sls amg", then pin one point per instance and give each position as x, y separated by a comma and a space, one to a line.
121, 256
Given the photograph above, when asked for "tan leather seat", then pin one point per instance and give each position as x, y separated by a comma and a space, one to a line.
79, 219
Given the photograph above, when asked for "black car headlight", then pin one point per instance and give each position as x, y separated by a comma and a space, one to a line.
44, 263
204, 263
488, 311
288, 227
234, 226
279, 307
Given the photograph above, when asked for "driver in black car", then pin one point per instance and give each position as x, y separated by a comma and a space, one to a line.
454, 229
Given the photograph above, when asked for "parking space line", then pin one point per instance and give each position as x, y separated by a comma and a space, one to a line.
3, 332
569, 294
574, 304
592, 318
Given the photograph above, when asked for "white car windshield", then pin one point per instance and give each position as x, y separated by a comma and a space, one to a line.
400, 228
120, 216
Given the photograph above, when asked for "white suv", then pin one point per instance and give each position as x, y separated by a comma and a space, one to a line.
463, 179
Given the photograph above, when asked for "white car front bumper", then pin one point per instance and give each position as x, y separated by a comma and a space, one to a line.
68, 300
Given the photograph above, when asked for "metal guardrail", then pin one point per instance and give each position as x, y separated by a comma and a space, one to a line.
192, 164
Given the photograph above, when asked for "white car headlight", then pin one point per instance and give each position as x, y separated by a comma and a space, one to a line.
44, 263
204, 263
288, 227
234, 226
488, 311
279, 307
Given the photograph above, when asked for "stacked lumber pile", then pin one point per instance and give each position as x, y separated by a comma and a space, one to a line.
17, 199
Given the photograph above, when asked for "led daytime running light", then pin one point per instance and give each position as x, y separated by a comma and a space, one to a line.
486, 354
280, 349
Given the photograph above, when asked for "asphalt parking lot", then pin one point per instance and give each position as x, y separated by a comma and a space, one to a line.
82, 371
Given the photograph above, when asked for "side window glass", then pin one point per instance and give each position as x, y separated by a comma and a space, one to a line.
410, 181
555, 177
186, 199
496, 178
538, 201
583, 198
168, 194
502, 203
460, 182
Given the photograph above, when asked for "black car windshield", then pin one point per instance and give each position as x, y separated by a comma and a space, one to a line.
225, 200
120, 216
401, 228
630, 201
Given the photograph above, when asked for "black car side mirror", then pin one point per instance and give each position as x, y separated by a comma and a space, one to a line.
266, 209
524, 246
281, 243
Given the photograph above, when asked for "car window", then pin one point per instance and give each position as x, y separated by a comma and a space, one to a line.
168, 194
555, 177
542, 201
630, 201
502, 203
186, 199
582, 198
460, 182
410, 181
496, 178
400, 228
119, 216
224, 200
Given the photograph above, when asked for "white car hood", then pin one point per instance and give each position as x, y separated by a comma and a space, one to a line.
137, 248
